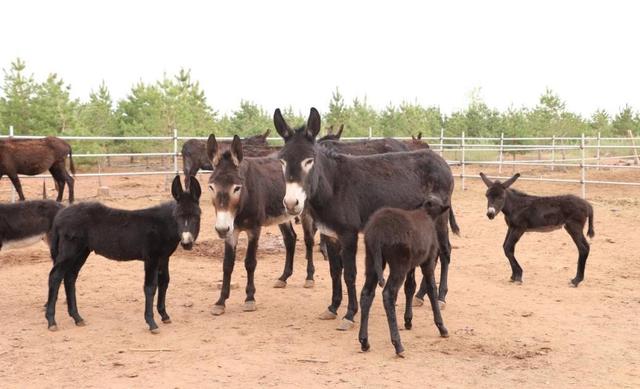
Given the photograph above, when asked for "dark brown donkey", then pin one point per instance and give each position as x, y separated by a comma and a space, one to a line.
524, 213
35, 156
247, 195
342, 192
194, 153
416, 143
404, 240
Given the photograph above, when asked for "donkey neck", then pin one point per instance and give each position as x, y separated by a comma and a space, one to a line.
321, 181
514, 200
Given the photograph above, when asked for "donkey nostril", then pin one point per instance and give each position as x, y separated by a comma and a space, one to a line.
297, 202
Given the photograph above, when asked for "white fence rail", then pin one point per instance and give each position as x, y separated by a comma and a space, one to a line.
458, 151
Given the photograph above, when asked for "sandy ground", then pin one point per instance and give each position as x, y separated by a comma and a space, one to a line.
542, 333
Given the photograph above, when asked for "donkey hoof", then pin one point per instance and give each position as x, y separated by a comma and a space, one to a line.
574, 283
249, 306
218, 310
166, 321
155, 330
327, 315
280, 284
81, 323
442, 305
417, 301
346, 325
309, 283
53, 328
400, 354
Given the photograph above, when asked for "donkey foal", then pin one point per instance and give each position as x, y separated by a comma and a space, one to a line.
151, 235
524, 213
25, 223
404, 240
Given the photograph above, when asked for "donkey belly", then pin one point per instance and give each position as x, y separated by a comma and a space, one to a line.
24, 242
269, 221
545, 228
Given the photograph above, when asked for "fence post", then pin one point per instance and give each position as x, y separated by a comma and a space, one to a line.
175, 150
598, 152
501, 156
553, 153
462, 160
370, 133
13, 189
582, 168
441, 141
635, 150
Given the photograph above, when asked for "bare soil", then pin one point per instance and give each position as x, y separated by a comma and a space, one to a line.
542, 333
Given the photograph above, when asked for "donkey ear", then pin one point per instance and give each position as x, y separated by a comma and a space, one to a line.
313, 123
486, 181
511, 180
236, 150
212, 149
339, 133
266, 134
281, 125
194, 188
419, 136
176, 188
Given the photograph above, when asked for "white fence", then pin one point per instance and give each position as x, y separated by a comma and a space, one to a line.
588, 153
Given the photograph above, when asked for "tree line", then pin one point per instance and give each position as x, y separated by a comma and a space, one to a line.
47, 108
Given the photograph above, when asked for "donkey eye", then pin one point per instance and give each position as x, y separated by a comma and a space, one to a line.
211, 188
308, 162
236, 189
283, 162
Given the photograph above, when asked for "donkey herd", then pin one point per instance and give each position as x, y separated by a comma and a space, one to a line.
398, 194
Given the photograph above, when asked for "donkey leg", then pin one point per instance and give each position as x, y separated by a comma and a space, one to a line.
163, 285
389, 297
289, 238
250, 264
70, 288
56, 275
366, 299
16, 183
335, 268
509, 246
227, 269
582, 244
150, 286
428, 275
70, 181
309, 233
409, 290
349, 243
444, 244
58, 177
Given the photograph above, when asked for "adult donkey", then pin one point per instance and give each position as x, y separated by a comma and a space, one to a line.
247, 195
342, 192
35, 156
194, 153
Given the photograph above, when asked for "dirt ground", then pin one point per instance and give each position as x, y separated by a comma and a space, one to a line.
542, 333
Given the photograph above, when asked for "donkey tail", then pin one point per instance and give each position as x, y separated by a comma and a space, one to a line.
452, 222
376, 252
54, 239
590, 232
71, 165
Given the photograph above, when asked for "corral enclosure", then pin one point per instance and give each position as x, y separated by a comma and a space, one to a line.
541, 333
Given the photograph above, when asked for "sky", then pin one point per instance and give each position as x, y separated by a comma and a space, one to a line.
295, 53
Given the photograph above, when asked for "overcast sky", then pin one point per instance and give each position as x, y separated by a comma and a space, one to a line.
281, 53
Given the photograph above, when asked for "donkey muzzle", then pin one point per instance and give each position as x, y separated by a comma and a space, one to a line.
491, 213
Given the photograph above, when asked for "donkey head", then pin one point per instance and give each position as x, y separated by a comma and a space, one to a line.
225, 183
187, 211
257, 140
297, 158
416, 143
434, 206
496, 194
331, 135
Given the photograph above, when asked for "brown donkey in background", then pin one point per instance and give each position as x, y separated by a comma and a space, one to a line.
524, 213
34, 156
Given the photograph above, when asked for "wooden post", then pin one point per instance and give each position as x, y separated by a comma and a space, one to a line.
582, 169
553, 153
635, 150
13, 189
441, 141
370, 132
462, 160
501, 155
598, 152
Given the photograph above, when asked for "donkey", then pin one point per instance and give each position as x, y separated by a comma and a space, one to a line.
247, 195
365, 146
342, 192
332, 135
403, 239
34, 156
525, 213
150, 234
416, 143
26, 223
194, 153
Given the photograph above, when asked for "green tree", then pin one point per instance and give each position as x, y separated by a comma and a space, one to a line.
624, 121
53, 110
15, 106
